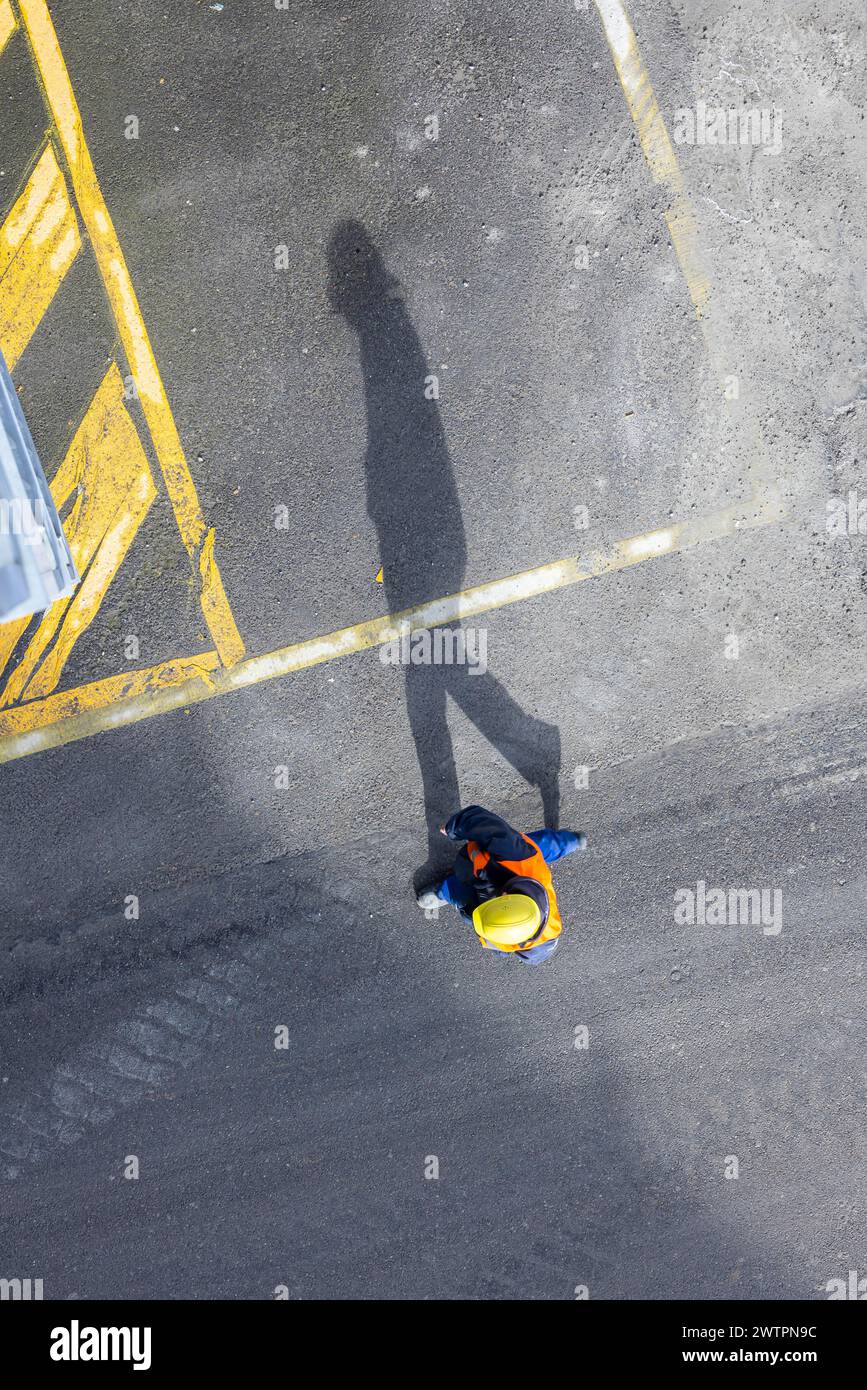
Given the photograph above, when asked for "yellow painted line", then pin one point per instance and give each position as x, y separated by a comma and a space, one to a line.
107, 473
720, 336
197, 538
657, 146
58, 709
7, 23
96, 708
39, 240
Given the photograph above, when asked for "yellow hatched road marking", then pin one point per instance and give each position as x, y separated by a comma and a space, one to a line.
107, 705
7, 23
38, 243
197, 538
103, 694
107, 471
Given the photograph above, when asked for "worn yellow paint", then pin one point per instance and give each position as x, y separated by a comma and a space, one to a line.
683, 230
650, 544
657, 146
95, 708
721, 336
7, 23
39, 240
197, 538
107, 472
102, 695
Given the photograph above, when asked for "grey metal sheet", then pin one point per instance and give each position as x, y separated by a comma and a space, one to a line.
36, 565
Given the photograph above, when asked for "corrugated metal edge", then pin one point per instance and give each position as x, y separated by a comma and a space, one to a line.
36, 565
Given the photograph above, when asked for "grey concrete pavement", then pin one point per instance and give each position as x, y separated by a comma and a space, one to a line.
559, 387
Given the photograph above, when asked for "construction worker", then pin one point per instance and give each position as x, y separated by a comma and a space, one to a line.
501, 883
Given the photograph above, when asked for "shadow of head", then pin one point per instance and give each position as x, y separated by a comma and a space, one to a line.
358, 282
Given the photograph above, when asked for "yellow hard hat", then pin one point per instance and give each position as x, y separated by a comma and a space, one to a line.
508, 920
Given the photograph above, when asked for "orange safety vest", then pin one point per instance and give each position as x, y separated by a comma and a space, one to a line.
534, 867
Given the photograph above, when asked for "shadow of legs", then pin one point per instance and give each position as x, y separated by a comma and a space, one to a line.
426, 706
531, 745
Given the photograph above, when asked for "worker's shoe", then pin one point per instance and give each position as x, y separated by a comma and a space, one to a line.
429, 900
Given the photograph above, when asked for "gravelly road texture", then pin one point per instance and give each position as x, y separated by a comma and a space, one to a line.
265, 906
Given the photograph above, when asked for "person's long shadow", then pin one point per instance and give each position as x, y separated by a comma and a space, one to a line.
413, 502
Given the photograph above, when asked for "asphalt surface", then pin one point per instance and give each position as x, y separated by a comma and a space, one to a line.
261, 906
